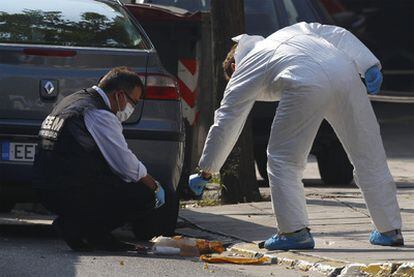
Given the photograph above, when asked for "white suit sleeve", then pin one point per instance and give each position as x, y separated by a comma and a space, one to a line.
239, 97
106, 130
348, 43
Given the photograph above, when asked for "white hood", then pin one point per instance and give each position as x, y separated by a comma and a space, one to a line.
245, 44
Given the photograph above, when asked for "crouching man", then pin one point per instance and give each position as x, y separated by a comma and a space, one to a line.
86, 174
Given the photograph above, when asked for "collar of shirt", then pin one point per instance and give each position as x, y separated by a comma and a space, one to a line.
103, 95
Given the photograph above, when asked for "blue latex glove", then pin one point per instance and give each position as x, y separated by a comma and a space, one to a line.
159, 196
373, 79
197, 184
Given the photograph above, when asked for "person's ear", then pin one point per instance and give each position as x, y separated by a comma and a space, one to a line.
120, 98
233, 66
119, 95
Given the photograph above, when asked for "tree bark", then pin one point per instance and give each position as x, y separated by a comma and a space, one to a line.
238, 173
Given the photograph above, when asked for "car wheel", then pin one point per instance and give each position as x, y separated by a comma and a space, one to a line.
6, 205
334, 165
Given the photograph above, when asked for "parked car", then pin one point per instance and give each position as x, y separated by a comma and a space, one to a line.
264, 19
50, 50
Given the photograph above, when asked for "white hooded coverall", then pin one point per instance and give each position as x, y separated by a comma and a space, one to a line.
315, 71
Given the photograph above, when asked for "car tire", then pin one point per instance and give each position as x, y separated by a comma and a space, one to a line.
6, 206
334, 165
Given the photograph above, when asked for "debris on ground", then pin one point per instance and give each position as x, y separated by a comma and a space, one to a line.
208, 251
234, 258
186, 247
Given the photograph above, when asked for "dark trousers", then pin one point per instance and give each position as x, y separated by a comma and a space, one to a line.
102, 207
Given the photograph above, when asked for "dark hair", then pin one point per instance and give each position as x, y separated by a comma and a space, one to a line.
120, 78
228, 70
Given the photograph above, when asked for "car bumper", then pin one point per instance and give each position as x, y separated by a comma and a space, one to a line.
162, 152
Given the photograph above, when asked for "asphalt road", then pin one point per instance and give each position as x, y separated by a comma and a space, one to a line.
34, 250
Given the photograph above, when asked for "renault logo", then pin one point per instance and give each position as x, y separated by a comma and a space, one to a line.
48, 89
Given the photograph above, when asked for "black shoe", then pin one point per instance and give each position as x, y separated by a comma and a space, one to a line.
107, 242
71, 235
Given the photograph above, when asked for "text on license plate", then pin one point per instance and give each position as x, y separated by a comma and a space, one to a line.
18, 151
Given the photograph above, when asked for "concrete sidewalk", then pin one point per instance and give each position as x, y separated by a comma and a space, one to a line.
340, 224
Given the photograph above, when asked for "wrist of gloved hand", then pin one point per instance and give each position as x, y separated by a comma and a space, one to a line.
197, 182
373, 79
159, 195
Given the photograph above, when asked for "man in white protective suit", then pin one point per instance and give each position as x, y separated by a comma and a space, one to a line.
315, 71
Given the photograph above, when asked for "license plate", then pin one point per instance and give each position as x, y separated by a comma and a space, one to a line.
18, 151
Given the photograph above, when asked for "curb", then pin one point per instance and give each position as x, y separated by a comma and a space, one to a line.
328, 267
379, 270
293, 260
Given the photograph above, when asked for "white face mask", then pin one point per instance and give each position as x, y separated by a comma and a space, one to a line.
126, 113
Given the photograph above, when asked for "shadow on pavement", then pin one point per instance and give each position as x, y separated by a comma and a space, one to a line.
232, 227
319, 183
23, 236
28, 231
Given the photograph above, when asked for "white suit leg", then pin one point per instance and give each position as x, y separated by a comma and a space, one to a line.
294, 128
354, 121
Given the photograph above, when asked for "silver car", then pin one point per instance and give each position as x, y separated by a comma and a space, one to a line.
51, 49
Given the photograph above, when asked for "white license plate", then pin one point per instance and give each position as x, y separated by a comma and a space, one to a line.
18, 151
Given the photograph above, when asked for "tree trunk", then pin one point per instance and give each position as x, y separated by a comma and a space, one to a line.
238, 173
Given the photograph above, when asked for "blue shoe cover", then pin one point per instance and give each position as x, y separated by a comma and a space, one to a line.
378, 238
299, 240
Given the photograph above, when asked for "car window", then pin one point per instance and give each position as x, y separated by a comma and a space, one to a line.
261, 19
299, 10
69, 23
189, 5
